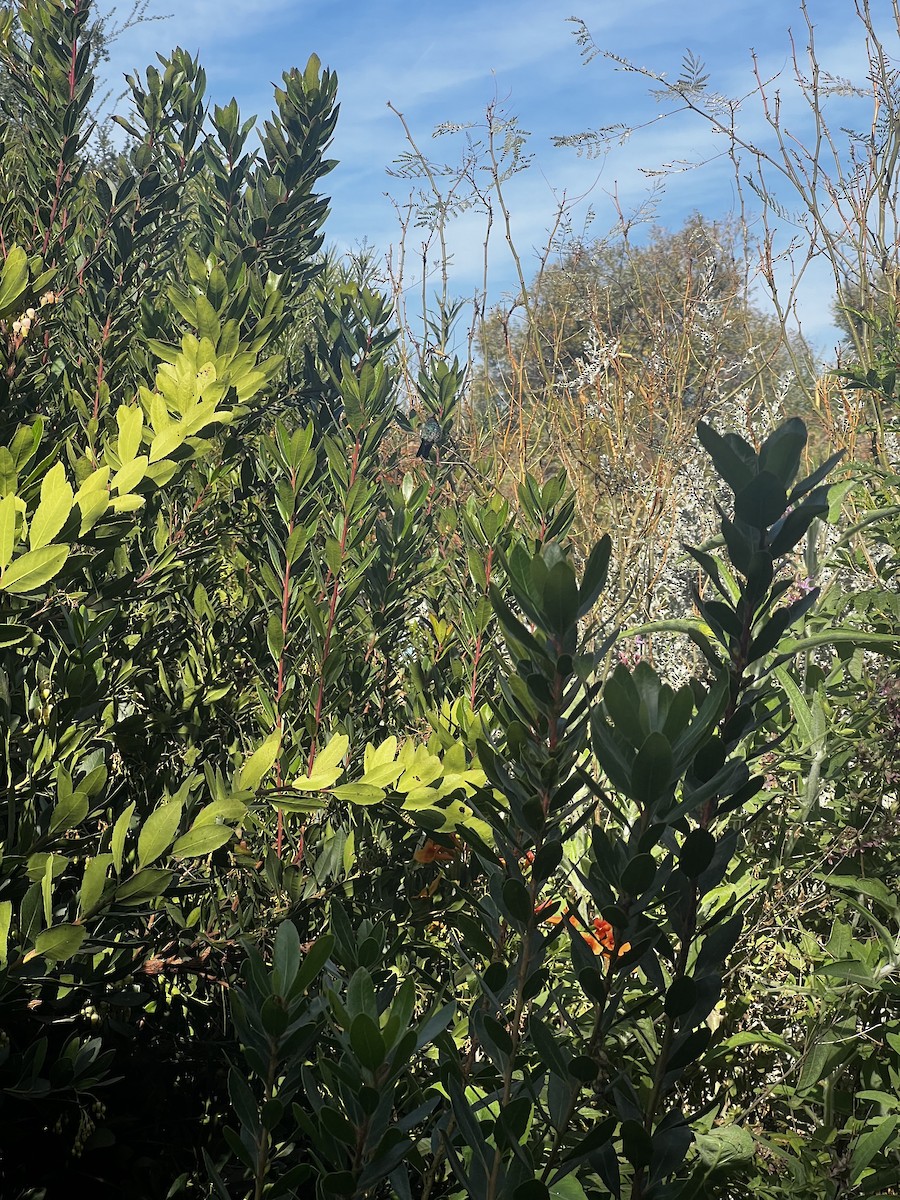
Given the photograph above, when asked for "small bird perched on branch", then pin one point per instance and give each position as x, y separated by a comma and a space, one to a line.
431, 436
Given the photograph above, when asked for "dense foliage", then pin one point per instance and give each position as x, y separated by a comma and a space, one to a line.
348, 848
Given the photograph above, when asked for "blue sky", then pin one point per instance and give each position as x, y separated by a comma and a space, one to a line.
447, 62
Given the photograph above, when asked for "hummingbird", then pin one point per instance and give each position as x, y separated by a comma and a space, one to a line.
431, 435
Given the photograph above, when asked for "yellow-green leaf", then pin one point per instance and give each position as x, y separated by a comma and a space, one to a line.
359, 793
380, 767
260, 763
92, 506
130, 420
33, 569
5, 922
52, 513
377, 756
327, 767
126, 479
97, 481
122, 504
161, 472
36, 865
7, 529
47, 889
168, 440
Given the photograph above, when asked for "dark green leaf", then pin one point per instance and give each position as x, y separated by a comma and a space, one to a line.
639, 874
651, 773
516, 900
762, 502
595, 573
688, 1049
782, 450
546, 861
729, 464
367, 1042
680, 997
696, 852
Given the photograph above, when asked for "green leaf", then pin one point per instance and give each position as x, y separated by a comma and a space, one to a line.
52, 513
688, 1049
260, 763
200, 840
361, 994
870, 1144
275, 637
69, 812
145, 885
636, 1144
47, 886
849, 971
546, 861
33, 569
561, 597
797, 522
313, 962
7, 529
639, 874
93, 882
60, 942
680, 997
11, 635
567, 1188
120, 830
227, 809
13, 280
158, 832
531, 1189
593, 581
725, 1147
813, 480
286, 955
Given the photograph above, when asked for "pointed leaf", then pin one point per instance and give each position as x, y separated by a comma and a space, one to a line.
260, 763
158, 832
34, 569
57, 498
59, 943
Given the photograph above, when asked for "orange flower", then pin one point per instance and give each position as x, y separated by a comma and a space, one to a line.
607, 937
602, 940
434, 852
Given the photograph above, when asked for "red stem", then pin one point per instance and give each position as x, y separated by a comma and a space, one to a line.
332, 608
